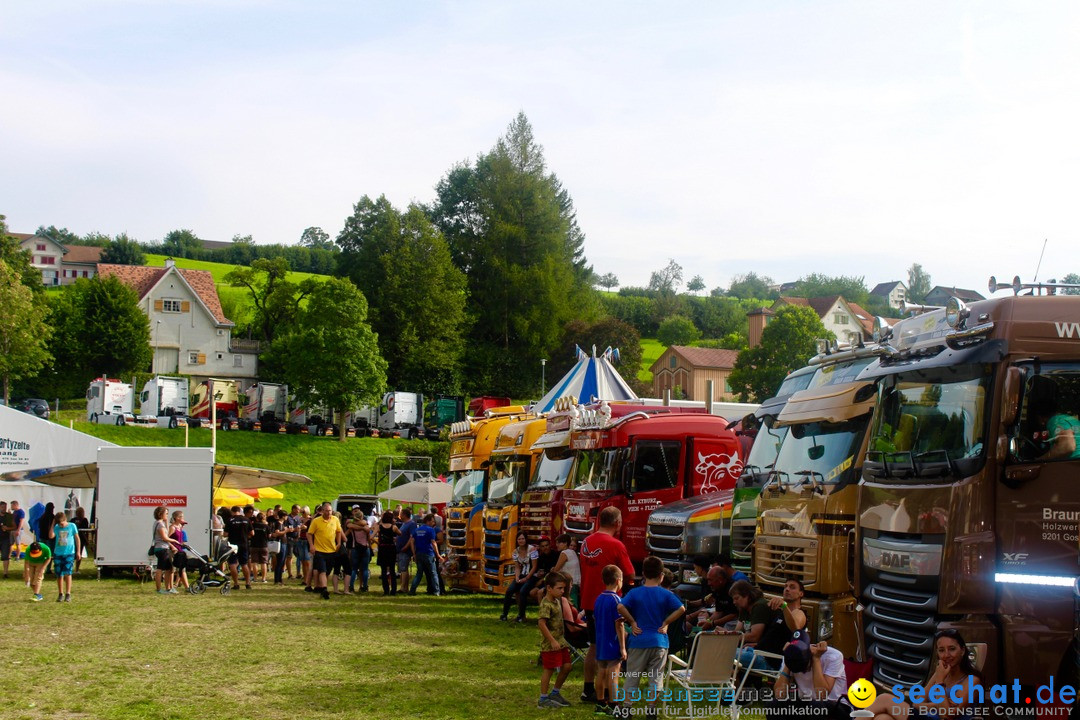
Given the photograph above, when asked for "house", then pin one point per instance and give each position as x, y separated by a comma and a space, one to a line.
59, 264
847, 320
940, 294
894, 293
189, 332
688, 368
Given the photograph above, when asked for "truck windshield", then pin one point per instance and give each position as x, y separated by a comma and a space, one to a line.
765, 449
839, 373
930, 424
468, 487
596, 470
508, 478
819, 453
794, 384
554, 468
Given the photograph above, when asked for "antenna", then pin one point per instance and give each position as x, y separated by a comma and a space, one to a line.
1036, 278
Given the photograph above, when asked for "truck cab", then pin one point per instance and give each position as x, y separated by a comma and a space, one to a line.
164, 401
109, 402
639, 462
225, 398
512, 462
543, 503
471, 443
266, 408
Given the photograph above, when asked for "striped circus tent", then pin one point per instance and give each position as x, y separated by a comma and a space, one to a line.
591, 379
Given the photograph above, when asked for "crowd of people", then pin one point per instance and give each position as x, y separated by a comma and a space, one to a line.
57, 546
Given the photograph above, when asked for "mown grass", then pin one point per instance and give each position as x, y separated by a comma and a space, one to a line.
334, 467
119, 650
651, 350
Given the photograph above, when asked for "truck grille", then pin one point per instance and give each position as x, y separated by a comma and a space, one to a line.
456, 530
780, 558
576, 526
665, 541
492, 555
900, 632
742, 538
536, 521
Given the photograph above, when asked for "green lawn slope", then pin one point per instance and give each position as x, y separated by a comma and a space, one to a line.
651, 350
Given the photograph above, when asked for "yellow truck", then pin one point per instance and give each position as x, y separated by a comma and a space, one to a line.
471, 443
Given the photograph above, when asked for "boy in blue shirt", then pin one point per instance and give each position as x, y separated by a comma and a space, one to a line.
649, 609
610, 639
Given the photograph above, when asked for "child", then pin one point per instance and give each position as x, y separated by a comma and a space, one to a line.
649, 609
610, 639
554, 650
68, 547
37, 557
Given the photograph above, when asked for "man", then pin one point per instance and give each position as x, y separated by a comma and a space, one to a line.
424, 547
819, 679
793, 615
303, 549
238, 531
401, 542
20, 518
292, 536
324, 539
7, 526
249, 513
598, 550
724, 561
717, 609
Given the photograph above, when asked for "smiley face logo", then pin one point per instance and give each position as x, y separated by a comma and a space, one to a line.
862, 693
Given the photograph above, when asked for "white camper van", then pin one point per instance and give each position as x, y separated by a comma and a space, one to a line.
110, 402
164, 402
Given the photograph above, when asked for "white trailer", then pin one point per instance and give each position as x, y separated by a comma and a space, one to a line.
109, 402
133, 482
164, 402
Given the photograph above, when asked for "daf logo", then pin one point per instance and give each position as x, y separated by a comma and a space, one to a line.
895, 560
666, 520
1019, 558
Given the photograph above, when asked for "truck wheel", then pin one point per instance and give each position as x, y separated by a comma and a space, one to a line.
173, 424
120, 420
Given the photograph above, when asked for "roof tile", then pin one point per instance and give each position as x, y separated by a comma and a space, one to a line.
707, 357
143, 279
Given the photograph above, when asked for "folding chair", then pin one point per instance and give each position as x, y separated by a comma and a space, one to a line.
758, 668
575, 632
711, 666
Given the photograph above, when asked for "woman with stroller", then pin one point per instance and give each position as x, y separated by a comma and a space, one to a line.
387, 553
163, 548
179, 560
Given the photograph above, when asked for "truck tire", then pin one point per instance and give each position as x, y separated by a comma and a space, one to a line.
173, 424
120, 421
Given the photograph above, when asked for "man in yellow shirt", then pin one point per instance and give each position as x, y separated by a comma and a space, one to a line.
324, 537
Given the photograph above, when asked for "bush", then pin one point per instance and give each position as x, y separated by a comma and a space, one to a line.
678, 330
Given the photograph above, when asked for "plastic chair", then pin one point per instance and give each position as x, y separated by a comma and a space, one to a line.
711, 666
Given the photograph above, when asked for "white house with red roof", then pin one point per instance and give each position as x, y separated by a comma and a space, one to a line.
189, 332
59, 264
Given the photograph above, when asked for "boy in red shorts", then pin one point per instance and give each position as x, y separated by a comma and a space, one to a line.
554, 650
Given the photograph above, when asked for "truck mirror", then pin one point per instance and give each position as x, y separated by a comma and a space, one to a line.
1010, 397
816, 452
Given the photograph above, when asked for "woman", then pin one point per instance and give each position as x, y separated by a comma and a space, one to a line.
163, 547
278, 534
217, 533
953, 668
568, 565
755, 616
179, 560
260, 554
80, 521
387, 557
360, 559
525, 556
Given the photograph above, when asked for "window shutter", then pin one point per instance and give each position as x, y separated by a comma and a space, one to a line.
202, 358
159, 305
185, 306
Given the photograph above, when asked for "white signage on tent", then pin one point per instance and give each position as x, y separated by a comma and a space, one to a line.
30, 445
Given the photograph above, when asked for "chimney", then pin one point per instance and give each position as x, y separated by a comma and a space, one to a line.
169, 262
757, 320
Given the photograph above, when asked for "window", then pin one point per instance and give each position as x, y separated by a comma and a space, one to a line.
727, 386
656, 465
238, 361
47, 260
840, 319
85, 273
1048, 426
40, 247
193, 358
170, 306
674, 361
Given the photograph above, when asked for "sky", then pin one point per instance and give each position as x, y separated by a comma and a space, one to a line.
783, 138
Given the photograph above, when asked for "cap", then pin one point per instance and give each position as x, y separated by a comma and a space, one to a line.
797, 652
355, 507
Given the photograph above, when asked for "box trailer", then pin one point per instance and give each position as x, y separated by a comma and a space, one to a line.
133, 482
110, 402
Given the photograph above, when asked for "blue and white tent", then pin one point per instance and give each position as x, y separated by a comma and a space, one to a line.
592, 379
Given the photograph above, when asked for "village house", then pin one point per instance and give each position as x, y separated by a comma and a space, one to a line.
847, 320
894, 293
59, 264
940, 294
685, 371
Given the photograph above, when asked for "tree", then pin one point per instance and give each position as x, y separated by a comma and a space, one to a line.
607, 280
239, 239
181, 243
696, 284
787, 343
19, 261
667, 279
918, 283
276, 300
60, 235
331, 358
818, 285
512, 230
98, 329
94, 239
23, 330
316, 237
1071, 279
678, 330
752, 285
123, 250
418, 297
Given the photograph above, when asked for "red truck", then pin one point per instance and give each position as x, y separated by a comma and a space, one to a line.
640, 461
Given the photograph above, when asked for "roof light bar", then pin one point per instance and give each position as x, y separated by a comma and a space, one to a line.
1043, 580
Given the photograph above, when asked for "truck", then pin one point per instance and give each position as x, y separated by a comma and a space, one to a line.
406, 414
968, 505
442, 411
109, 402
543, 502
471, 443
164, 402
712, 523
806, 510
226, 399
512, 462
266, 408
640, 461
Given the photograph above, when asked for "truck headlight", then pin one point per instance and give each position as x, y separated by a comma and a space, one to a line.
825, 621
509, 571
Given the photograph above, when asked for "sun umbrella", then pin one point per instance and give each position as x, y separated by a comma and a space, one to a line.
423, 491
228, 496
264, 493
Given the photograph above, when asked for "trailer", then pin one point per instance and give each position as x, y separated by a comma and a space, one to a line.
163, 402
109, 402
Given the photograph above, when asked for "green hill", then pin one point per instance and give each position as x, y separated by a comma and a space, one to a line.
651, 350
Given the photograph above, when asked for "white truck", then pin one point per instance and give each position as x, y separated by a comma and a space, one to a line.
399, 412
110, 402
164, 402
266, 407
132, 482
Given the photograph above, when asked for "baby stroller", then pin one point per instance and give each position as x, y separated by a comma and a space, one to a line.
207, 573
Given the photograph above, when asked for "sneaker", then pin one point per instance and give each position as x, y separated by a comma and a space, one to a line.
38, 598
325, 595
173, 591
588, 696
67, 597
602, 709
519, 619
558, 699
503, 618
162, 591
60, 597
308, 588
547, 703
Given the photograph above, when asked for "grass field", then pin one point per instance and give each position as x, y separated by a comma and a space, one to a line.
119, 650
218, 270
651, 350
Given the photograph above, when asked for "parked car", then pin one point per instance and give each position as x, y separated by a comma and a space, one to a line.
34, 406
